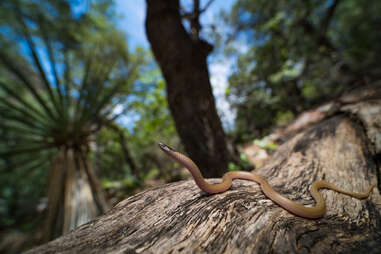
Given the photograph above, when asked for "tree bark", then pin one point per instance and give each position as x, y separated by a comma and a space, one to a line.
184, 67
343, 149
75, 195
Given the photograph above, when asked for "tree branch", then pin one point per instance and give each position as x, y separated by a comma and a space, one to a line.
324, 24
126, 152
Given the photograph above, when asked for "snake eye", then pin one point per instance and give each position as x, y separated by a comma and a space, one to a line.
165, 147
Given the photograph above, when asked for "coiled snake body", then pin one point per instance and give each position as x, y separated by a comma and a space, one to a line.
307, 212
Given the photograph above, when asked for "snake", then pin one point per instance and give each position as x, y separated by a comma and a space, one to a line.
295, 208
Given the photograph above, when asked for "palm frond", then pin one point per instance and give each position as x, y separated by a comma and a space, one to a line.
25, 131
27, 122
83, 91
22, 101
52, 58
33, 158
106, 99
8, 63
25, 149
18, 109
53, 65
37, 62
21, 142
67, 80
32, 166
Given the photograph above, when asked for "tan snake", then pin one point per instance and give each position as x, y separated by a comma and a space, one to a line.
307, 212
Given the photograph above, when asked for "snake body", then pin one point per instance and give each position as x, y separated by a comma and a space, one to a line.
307, 212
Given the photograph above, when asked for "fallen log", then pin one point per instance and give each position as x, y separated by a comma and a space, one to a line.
344, 148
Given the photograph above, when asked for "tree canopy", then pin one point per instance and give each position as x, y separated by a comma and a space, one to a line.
297, 54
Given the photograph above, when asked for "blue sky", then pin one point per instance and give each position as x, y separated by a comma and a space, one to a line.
132, 21
132, 14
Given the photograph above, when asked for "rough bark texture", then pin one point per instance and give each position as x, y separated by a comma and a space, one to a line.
183, 64
343, 149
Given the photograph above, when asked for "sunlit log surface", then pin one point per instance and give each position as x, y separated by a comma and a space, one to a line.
344, 148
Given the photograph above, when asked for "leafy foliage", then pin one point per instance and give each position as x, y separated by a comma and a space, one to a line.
144, 112
300, 53
154, 121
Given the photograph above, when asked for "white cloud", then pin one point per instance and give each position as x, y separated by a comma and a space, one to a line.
219, 73
118, 109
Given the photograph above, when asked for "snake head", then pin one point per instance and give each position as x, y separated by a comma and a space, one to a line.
164, 147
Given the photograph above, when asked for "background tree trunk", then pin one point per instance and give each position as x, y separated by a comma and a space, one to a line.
183, 63
343, 149
75, 195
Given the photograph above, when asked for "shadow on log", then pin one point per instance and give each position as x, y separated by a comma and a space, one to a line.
344, 149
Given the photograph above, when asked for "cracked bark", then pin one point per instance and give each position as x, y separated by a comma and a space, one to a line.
344, 148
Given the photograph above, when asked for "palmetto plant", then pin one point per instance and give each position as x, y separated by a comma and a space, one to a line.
60, 78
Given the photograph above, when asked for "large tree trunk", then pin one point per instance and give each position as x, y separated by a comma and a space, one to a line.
343, 149
184, 67
75, 195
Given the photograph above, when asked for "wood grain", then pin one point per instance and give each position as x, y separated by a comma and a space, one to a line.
179, 218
